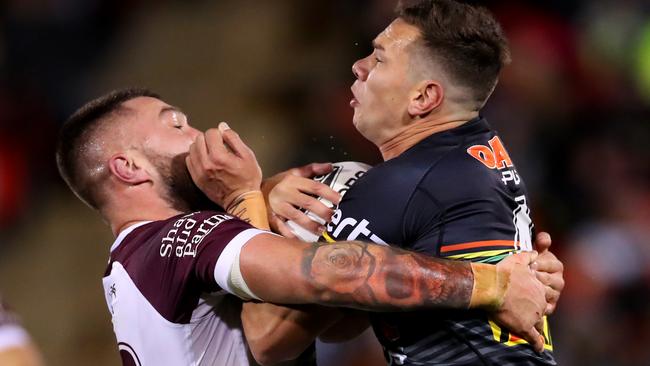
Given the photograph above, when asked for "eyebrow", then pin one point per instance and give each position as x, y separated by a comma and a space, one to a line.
377, 46
169, 108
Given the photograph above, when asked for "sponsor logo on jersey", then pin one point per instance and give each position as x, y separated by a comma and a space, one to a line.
496, 157
183, 239
358, 230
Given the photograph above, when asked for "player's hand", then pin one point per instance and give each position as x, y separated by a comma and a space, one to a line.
549, 271
293, 189
524, 300
222, 166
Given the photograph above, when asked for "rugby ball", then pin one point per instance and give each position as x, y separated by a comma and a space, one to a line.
341, 178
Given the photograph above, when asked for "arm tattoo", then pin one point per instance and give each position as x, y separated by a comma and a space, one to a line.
374, 277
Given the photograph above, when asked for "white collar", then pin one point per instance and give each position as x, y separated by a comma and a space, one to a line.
126, 232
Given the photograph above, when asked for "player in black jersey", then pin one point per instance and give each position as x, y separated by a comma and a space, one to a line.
448, 187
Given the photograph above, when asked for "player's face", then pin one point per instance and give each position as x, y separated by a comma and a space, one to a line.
160, 128
163, 135
381, 91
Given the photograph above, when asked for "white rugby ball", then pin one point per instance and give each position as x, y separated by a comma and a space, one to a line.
341, 178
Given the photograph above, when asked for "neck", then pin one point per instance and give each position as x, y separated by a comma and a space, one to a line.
121, 216
418, 130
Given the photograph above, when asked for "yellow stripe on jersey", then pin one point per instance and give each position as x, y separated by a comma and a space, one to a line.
486, 253
327, 237
513, 340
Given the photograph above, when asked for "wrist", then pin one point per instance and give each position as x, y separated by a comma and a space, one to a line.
489, 287
250, 207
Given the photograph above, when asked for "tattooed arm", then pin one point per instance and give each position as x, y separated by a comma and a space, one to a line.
382, 278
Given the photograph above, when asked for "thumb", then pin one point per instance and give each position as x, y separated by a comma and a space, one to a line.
542, 241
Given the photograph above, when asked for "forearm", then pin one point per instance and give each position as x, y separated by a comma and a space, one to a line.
357, 275
375, 277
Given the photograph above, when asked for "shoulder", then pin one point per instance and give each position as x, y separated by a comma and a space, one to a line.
178, 236
472, 168
169, 263
396, 177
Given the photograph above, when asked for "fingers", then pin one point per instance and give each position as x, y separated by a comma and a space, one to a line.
199, 152
312, 204
527, 258
321, 168
299, 192
196, 158
554, 283
540, 326
552, 297
320, 190
232, 140
535, 339
548, 262
214, 144
542, 242
300, 218
190, 168
278, 225
311, 187
312, 170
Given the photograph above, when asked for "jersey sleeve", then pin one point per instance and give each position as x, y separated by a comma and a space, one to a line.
473, 214
218, 250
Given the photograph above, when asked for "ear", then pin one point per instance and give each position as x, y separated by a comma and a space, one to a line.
125, 169
427, 97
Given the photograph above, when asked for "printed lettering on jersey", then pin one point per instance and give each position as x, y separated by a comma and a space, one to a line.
355, 229
185, 236
495, 156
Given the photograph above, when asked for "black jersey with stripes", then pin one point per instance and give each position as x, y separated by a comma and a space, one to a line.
455, 195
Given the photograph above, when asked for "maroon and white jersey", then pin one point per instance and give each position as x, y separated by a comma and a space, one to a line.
167, 290
11, 333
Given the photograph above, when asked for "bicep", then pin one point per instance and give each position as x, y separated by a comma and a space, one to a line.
272, 268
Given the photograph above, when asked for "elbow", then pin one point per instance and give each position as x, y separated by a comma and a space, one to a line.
267, 354
264, 357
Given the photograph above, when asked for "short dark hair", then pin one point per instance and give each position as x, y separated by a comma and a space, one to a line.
78, 130
464, 39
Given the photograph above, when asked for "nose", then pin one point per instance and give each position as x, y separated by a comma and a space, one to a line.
193, 132
360, 70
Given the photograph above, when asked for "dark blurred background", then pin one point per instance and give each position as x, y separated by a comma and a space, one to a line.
573, 109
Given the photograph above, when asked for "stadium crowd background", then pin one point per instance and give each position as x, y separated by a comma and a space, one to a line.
573, 108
